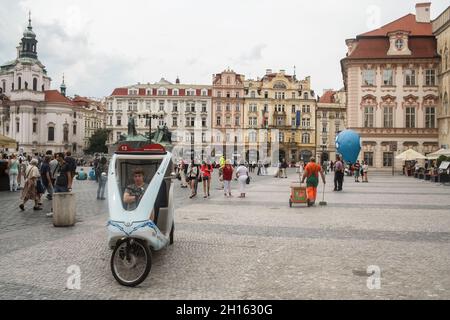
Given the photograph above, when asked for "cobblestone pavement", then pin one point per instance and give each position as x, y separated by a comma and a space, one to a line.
253, 248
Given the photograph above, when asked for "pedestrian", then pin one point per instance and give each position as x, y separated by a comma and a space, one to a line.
284, 166
301, 169
71, 162
311, 175
242, 176
102, 169
29, 191
63, 175
193, 176
365, 170
46, 177
206, 171
338, 174
357, 170
13, 172
227, 177
182, 170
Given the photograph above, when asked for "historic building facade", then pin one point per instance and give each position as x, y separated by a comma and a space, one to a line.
331, 120
390, 76
441, 29
279, 117
185, 109
227, 114
38, 118
94, 116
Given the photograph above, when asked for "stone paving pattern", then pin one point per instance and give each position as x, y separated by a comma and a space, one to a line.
253, 248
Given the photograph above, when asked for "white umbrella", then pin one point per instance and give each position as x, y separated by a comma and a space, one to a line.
410, 155
437, 154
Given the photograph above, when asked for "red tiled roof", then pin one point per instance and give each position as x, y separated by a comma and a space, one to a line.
54, 96
377, 48
120, 92
406, 23
328, 97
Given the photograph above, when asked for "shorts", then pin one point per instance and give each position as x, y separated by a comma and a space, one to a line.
206, 178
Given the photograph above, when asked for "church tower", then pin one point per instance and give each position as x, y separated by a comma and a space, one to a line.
29, 42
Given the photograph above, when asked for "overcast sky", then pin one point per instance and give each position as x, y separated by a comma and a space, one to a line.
104, 44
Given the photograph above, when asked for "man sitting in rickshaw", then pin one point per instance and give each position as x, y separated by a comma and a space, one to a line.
134, 192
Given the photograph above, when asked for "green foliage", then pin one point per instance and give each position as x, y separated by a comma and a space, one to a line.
442, 159
97, 143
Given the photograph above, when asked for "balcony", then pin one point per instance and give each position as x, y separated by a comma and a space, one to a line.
18, 95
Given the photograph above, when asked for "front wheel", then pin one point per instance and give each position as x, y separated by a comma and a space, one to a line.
131, 262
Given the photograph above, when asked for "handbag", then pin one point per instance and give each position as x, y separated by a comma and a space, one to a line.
40, 186
248, 180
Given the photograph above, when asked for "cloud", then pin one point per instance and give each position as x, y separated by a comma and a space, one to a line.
254, 55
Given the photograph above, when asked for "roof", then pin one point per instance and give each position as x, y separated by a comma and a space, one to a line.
54, 96
406, 23
377, 48
328, 97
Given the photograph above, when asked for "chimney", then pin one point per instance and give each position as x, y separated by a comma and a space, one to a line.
423, 12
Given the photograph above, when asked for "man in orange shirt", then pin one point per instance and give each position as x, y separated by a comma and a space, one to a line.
311, 175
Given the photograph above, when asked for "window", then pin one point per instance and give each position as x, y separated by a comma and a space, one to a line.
74, 130
204, 107
445, 104
324, 128
253, 94
266, 108
34, 84
204, 92
252, 137
219, 94
252, 121
118, 135
306, 122
190, 107
228, 80
279, 95
17, 126
190, 122
219, 121
4, 86
119, 121
368, 158
204, 124
162, 92
388, 77
305, 96
306, 109
388, 158
175, 106
237, 94
293, 122
305, 138
281, 137
430, 117
175, 92
399, 44
228, 121
228, 94
161, 105
34, 127
191, 92
119, 105
110, 120
203, 137
74, 115
368, 117
388, 116
228, 108
132, 105
237, 121
293, 109
161, 122
219, 107
293, 95
238, 107
280, 121
51, 134
266, 95
368, 77
174, 122
253, 108
430, 77
410, 117
410, 77
133, 92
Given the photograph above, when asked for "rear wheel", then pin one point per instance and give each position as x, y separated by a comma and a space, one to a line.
172, 231
131, 262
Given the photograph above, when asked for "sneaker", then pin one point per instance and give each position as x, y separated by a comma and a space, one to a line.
37, 208
22, 207
49, 215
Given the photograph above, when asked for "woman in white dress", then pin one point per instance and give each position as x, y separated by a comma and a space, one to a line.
242, 176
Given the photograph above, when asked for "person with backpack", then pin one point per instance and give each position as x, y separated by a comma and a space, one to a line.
63, 177
102, 169
70, 161
193, 174
206, 170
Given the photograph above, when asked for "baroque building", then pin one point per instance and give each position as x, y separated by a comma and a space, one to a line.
390, 77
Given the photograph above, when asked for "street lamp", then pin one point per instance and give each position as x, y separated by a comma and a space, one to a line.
149, 117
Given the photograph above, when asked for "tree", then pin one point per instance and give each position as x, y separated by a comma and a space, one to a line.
97, 143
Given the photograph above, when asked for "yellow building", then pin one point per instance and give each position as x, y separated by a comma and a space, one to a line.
279, 118
441, 29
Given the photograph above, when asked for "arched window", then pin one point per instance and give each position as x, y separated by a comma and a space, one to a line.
20, 83
445, 104
305, 138
66, 134
34, 84
51, 133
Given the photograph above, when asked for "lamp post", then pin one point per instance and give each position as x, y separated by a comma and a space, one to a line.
149, 117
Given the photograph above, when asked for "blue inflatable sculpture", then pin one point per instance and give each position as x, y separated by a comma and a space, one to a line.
348, 144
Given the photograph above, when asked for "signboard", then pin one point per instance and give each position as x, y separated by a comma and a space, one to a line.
444, 165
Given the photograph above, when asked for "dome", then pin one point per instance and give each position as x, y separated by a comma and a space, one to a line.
29, 33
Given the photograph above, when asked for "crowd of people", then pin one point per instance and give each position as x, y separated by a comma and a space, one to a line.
192, 173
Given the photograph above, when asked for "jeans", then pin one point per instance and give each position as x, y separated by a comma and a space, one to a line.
13, 181
338, 180
101, 188
49, 189
227, 186
60, 189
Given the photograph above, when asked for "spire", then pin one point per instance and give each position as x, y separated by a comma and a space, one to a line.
29, 20
63, 87
29, 42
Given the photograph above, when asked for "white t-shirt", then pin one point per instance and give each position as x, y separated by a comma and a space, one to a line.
32, 172
242, 171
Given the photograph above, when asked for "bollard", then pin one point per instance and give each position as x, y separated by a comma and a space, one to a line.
64, 209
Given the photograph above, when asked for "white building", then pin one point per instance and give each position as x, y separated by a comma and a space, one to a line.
38, 118
183, 108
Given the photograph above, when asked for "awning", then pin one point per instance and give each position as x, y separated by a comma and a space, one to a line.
437, 154
409, 155
6, 142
